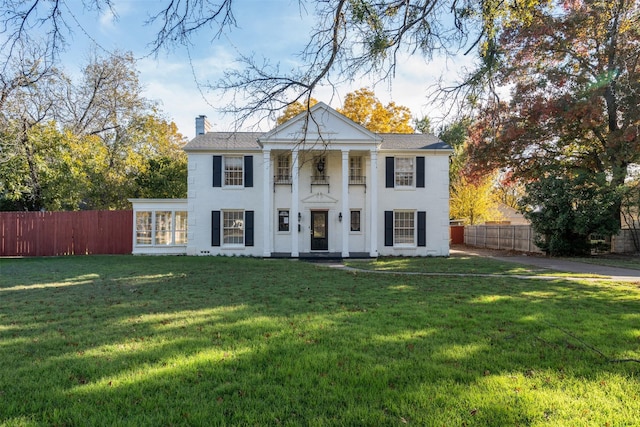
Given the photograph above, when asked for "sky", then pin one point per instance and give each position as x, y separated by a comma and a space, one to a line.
275, 29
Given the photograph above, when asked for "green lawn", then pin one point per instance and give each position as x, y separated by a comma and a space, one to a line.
158, 341
459, 264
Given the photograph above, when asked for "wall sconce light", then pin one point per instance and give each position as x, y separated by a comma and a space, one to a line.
340, 217
299, 216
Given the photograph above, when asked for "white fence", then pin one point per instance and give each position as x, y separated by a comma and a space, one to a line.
521, 238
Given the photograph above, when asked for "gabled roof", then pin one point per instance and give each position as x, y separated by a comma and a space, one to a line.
224, 141
412, 141
321, 123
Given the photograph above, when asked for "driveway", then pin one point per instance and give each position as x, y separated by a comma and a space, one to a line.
557, 264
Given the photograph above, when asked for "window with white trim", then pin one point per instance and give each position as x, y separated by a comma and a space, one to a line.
233, 227
161, 228
144, 230
283, 220
404, 228
355, 220
356, 175
283, 169
233, 171
164, 229
320, 170
404, 171
180, 228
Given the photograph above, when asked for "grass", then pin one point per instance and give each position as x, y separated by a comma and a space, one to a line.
465, 264
148, 341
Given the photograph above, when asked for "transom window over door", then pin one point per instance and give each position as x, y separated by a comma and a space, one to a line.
233, 171
404, 171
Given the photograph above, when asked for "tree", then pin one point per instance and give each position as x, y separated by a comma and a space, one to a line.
351, 38
422, 125
473, 203
575, 72
364, 108
567, 209
294, 109
455, 134
67, 145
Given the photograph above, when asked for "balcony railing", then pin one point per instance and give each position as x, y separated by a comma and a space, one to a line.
282, 179
319, 180
357, 180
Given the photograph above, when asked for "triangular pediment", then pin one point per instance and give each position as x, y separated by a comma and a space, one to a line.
321, 124
320, 198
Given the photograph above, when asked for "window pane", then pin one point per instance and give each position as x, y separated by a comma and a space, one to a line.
355, 170
143, 228
283, 170
233, 170
283, 220
163, 228
403, 228
355, 220
181, 228
233, 227
404, 171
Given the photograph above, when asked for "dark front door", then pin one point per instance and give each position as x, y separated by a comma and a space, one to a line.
319, 239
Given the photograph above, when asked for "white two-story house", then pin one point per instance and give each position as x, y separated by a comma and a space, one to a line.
318, 185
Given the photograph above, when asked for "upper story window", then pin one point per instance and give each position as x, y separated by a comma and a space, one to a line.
233, 171
320, 170
404, 171
283, 169
356, 172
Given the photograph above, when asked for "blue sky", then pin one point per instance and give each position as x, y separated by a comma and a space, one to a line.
275, 29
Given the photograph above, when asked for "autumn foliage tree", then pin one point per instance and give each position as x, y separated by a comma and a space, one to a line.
364, 108
86, 143
574, 69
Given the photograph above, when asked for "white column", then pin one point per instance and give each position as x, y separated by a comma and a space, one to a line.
346, 217
373, 205
267, 204
293, 220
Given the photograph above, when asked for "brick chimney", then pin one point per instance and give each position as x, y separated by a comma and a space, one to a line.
202, 125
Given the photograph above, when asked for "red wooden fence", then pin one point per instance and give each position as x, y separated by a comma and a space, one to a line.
456, 234
65, 233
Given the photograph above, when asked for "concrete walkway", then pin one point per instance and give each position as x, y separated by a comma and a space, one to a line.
539, 261
556, 264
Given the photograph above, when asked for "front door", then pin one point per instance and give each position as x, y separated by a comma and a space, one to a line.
319, 239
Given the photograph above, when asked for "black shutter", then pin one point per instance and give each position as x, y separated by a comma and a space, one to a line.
248, 228
217, 171
388, 228
215, 228
248, 171
420, 172
422, 228
390, 176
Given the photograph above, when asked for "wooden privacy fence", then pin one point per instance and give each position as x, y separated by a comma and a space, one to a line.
507, 237
65, 233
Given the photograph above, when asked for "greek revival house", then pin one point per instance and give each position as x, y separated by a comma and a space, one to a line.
318, 185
